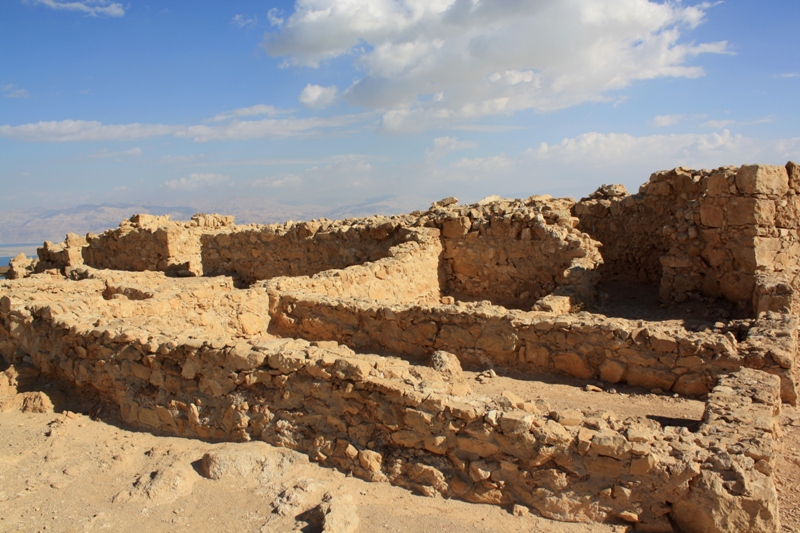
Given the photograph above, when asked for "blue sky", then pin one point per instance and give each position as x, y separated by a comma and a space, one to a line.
333, 102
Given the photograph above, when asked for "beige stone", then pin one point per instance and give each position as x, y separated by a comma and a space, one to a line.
762, 179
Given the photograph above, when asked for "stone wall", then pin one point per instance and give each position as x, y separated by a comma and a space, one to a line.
147, 242
668, 356
387, 420
410, 274
727, 232
298, 249
515, 253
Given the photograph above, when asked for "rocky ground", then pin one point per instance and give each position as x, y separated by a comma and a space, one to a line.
66, 465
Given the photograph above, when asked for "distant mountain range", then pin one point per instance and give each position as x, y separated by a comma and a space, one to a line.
39, 225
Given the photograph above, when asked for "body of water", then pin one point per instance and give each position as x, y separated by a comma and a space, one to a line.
10, 250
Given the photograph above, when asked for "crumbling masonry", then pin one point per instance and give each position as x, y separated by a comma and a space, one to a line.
236, 332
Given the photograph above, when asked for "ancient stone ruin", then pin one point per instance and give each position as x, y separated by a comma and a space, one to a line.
367, 343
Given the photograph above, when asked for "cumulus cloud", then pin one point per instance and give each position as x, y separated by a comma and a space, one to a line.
196, 181
442, 60
90, 7
274, 17
12, 91
317, 97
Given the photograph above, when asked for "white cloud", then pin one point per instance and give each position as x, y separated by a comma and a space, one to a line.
666, 120
622, 151
252, 111
105, 154
244, 21
11, 91
90, 7
278, 182
661, 121
436, 61
274, 17
82, 130
788, 75
196, 181
256, 129
339, 171
445, 145
717, 124
317, 97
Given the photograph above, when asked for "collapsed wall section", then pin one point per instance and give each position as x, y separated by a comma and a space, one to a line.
386, 420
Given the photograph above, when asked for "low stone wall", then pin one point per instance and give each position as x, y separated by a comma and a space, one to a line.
298, 249
147, 242
410, 274
386, 420
660, 355
515, 253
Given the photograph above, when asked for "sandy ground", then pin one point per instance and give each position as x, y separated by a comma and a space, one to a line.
66, 471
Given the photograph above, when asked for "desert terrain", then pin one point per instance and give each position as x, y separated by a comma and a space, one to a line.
75, 467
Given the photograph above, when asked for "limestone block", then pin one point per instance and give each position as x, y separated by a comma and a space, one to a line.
447, 365
691, 385
793, 171
711, 508
611, 444
717, 185
612, 371
744, 211
650, 378
712, 216
762, 179
574, 365
663, 342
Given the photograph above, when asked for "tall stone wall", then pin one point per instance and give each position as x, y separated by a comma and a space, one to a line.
727, 232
